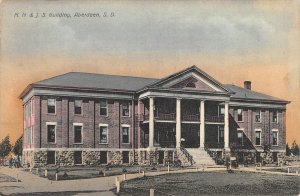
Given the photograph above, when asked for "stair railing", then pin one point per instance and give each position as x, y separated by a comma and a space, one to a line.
187, 155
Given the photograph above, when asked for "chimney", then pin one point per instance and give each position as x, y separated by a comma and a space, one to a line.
247, 85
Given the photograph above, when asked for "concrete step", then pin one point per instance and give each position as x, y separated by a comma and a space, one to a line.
201, 157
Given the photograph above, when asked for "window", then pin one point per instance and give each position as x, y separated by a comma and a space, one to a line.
103, 157
222, 111
51, 133
125, 156
51, 157
103, 108
275, 117
258, 138
77, 106
275, 137
78, 134
125, 134
240, 115
125, 109
221, 135
78, 157
257, 115
240, 137
103, 134
51, 106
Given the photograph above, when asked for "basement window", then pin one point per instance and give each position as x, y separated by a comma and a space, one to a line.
51, 157
125, 156
103, 157
78, 157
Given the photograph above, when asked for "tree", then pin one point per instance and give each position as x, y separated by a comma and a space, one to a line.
295, 148
5, 147
288, 150
18, 147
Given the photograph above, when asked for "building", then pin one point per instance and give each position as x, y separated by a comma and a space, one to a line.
92, 119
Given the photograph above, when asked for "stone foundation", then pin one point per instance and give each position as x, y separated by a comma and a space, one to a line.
38, 158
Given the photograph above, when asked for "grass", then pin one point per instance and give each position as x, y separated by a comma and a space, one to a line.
214, 183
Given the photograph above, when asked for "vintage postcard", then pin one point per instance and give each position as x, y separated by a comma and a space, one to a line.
149, 97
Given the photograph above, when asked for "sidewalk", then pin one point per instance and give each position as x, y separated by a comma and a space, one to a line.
31, 183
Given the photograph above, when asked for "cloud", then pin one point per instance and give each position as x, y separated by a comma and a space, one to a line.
153, 30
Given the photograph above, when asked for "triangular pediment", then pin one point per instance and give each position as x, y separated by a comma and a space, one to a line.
191, 79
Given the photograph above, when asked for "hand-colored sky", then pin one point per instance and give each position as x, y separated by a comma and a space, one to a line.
232, 41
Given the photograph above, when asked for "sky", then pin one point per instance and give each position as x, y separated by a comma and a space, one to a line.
232, 41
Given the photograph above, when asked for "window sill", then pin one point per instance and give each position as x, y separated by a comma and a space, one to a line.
240, 121
78, 114
103, 115
103, 143
258, 145
52, 114
78, 143
125, 116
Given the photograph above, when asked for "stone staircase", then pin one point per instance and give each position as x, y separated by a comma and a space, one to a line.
201, 157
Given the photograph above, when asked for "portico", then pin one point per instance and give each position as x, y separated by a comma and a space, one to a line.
177, 116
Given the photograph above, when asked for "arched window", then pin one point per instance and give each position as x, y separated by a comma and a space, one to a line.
191, 85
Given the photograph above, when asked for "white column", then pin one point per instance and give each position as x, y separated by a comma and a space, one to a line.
178, 123
202, 124
151, 122
226, 126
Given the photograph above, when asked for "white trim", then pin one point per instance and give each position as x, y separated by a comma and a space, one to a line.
258, 130
196, 76
51, 123
79, 125
129, 135
277, 131
81, 149
103, 125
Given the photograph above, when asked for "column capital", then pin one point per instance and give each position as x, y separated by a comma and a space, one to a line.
178, 98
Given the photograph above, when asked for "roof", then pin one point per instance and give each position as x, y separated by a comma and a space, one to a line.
98, 81
242, 93
79, 80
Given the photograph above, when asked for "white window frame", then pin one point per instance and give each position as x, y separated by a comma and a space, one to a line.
54, 106
237, 112
79, 125
55, 124
128, 126
276, 116
103, 107
103, 125
259, 116
260, 139
129, 108
276, 131
242, 131
80, 106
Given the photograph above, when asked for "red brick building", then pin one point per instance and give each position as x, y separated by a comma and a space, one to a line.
92, 119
